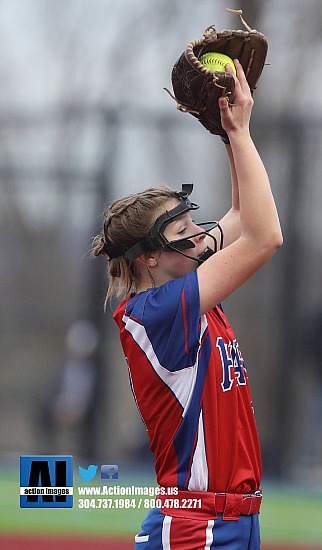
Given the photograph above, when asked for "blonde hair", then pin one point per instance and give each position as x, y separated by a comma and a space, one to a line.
125, 222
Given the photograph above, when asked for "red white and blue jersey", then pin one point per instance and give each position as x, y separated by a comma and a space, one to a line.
191, 387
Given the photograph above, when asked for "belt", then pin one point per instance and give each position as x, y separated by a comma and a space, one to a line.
201, 505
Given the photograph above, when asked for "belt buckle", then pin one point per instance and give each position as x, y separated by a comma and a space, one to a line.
255, 500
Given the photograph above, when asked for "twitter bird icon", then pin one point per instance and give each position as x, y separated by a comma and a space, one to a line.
89, 473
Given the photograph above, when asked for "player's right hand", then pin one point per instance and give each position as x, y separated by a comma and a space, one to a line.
235, 117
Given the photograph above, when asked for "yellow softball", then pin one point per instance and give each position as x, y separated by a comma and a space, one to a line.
216, 62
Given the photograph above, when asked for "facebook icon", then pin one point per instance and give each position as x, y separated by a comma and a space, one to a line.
109, 472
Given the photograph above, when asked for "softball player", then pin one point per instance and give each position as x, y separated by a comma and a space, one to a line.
186, 369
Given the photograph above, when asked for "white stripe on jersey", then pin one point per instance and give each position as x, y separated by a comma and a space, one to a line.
199, 468
166, 524
209, 534
181, 382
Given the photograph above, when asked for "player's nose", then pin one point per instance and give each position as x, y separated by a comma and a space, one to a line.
200, 234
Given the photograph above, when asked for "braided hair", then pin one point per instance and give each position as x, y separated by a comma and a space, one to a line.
127, 221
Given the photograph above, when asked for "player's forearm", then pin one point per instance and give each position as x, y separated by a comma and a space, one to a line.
234, 179
230, 223
258, 215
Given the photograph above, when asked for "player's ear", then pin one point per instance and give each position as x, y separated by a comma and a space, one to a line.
149, 259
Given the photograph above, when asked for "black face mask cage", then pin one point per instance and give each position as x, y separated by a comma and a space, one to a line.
185, 243
158, 240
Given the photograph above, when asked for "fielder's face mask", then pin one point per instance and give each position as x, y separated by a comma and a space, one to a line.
156, 239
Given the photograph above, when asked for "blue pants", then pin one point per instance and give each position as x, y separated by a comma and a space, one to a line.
160, 532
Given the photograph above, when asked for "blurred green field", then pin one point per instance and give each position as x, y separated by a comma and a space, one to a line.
290, 515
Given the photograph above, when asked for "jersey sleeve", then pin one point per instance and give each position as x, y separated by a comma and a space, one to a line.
170, 315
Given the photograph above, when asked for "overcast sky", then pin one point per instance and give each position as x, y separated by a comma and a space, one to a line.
99, 50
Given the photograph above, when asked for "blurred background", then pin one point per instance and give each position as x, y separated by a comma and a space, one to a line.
84, 120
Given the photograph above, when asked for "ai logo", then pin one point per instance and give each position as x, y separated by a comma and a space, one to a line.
46, 481
109, 472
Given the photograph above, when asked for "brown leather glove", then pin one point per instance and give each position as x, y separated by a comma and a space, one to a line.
196, 89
